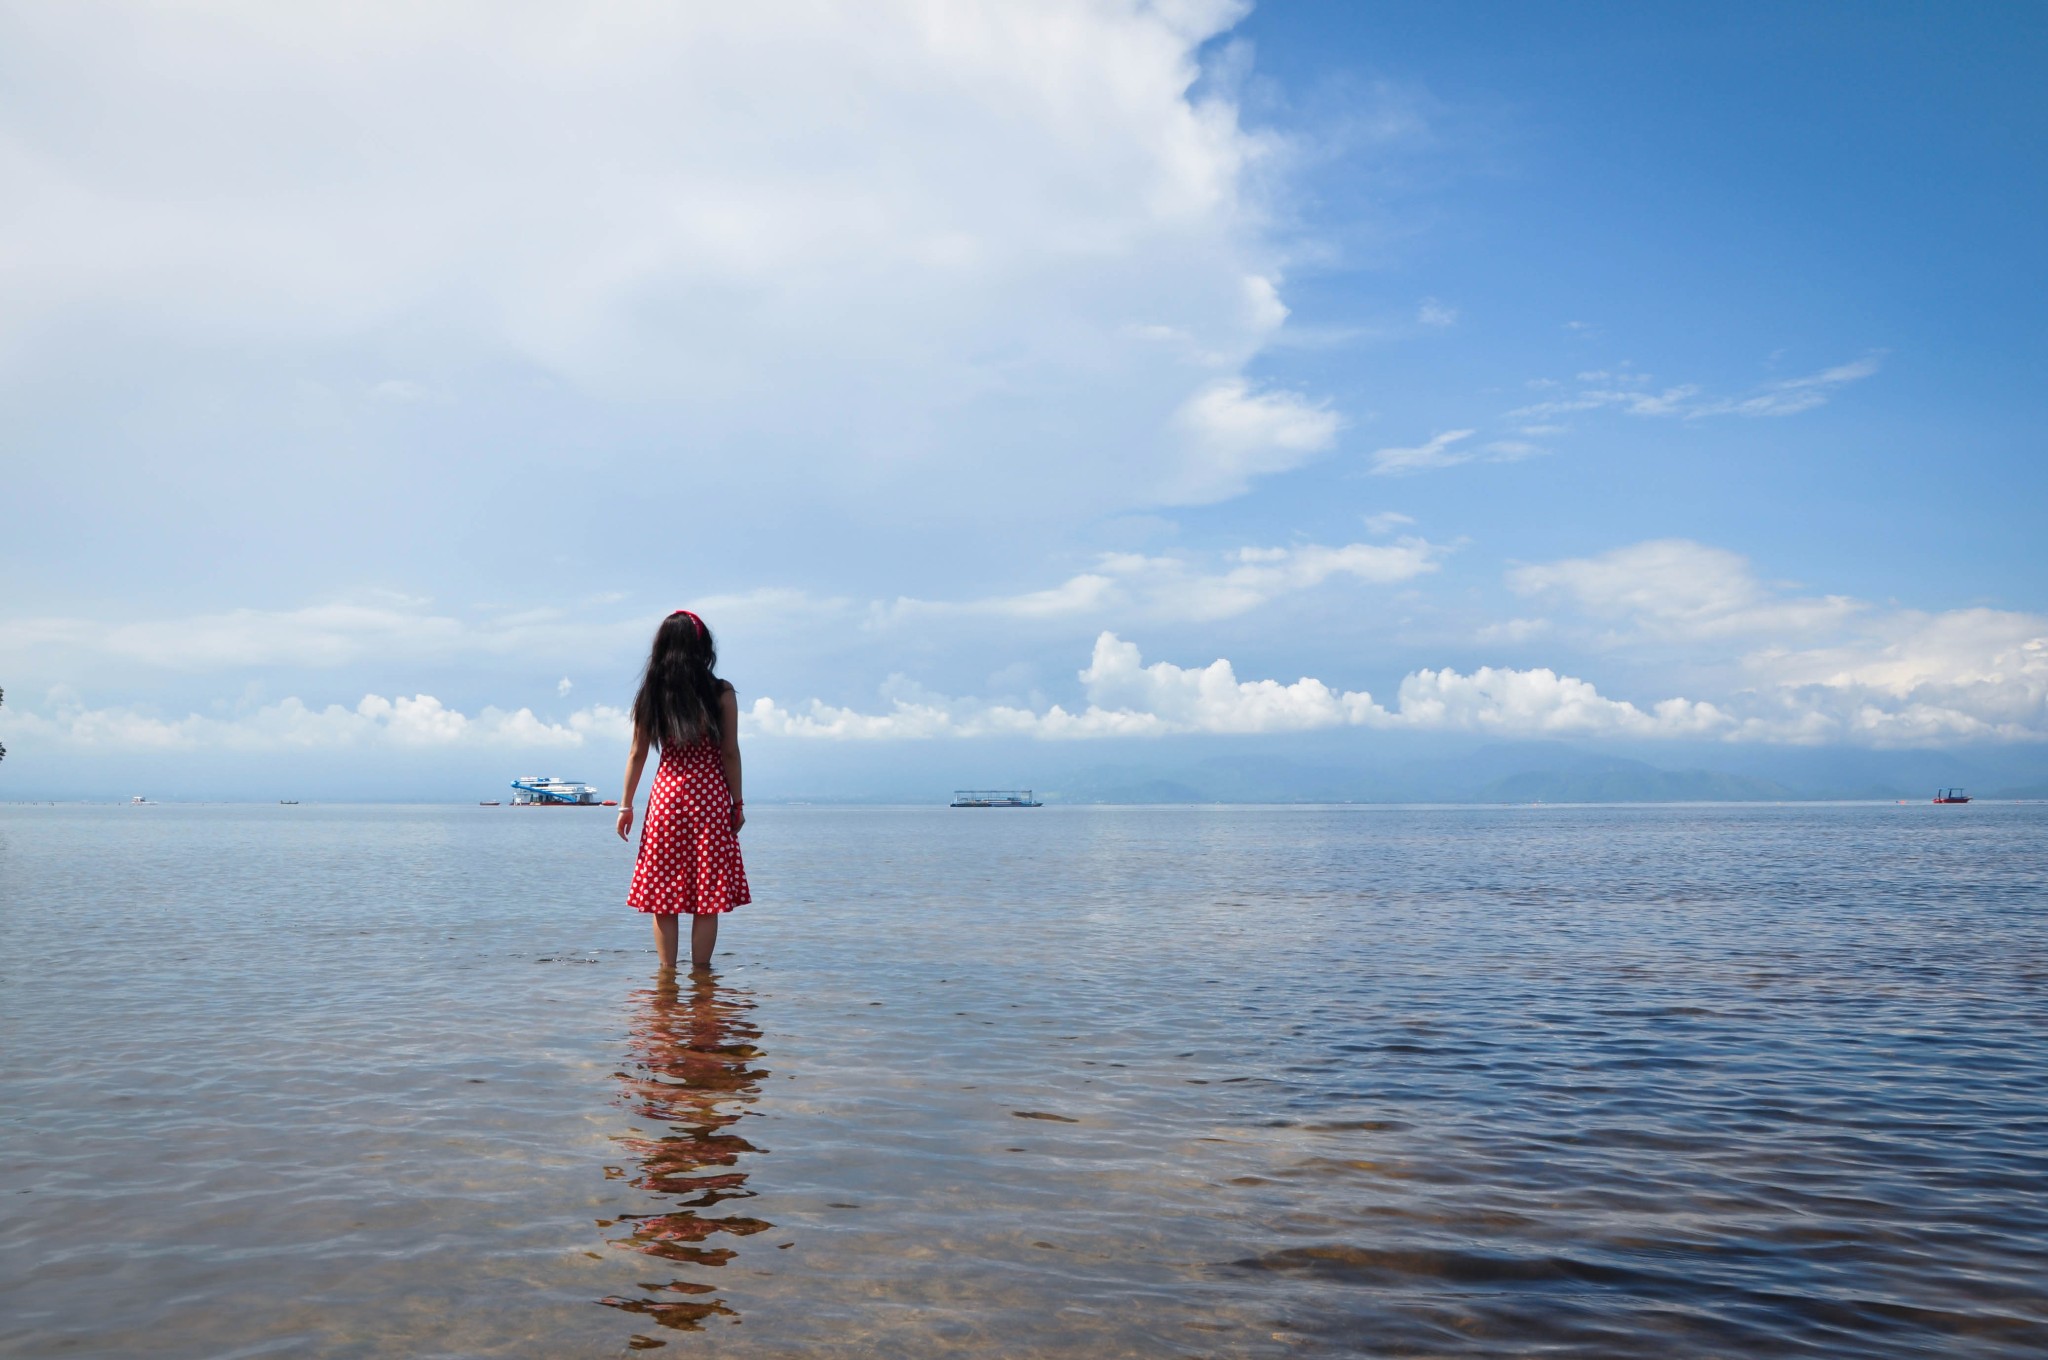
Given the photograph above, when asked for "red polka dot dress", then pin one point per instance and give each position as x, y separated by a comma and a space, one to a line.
689, 856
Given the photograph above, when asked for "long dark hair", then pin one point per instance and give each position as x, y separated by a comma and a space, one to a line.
678, 700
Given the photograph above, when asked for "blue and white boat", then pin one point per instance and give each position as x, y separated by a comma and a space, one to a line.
536, 790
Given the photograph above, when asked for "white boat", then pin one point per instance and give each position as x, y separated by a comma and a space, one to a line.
535, 790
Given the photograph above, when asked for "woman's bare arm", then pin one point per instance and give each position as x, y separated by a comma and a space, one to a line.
729, 751
634, 764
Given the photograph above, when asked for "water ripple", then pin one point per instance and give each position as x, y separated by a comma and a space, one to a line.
1659, 1082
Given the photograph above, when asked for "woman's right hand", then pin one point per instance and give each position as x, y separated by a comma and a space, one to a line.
625, 820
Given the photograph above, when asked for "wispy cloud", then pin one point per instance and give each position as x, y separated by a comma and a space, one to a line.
1449, 449
418, 721
1512, 630
1627, 392
1793, 395
1438, 451
1182, 588
385, 628
1435, 315
1680, 588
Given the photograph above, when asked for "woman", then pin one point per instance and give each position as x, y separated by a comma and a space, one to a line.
689, 843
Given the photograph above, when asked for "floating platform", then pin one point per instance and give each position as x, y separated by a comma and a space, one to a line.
994, 798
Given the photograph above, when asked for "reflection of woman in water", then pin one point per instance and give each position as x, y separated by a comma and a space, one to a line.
692, 1077
689, 843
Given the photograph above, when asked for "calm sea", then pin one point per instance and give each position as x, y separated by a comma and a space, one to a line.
1652, 1081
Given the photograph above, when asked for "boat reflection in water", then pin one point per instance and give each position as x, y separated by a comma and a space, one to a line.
691, 1079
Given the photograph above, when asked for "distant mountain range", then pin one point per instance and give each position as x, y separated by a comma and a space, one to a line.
1545, 772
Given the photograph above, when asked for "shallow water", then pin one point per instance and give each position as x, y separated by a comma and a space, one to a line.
1675, 1081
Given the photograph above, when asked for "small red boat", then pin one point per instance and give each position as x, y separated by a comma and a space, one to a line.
1951, 796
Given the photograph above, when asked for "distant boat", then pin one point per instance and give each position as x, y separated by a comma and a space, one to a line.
994, 798
138, 798
488, 802
1951, 796
287, 802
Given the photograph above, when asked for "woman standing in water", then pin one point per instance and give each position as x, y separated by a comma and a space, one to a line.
689, 843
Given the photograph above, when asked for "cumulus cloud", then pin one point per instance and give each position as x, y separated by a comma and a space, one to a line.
1922, 679
1908, 677
1178, 588
1818, 668
1128, 698
882, 245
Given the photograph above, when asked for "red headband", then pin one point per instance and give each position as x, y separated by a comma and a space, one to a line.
695, 621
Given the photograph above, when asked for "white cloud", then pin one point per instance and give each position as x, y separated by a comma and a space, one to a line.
1541, 702
1934, 699
1435, 315
1512, 630
564, 685
1819, 668
1176, 588
317, 635
1386, 521
885, 246
1439, 451
419, 721
390, 629
1236, 434
1905, 677
1624, 391
1920, 679
1127, 698
1212, 698
1793, 395
1678, 587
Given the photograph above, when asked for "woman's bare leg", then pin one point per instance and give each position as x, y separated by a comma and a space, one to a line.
703, 939
667, 936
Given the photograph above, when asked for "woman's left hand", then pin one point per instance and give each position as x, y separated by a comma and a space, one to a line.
625, 820
739, 817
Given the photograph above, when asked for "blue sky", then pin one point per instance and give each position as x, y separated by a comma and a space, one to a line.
1075, 377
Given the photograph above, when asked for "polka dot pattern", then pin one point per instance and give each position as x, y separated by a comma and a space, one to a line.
689, 857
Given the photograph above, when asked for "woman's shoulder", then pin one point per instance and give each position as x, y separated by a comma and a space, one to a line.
725, 687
